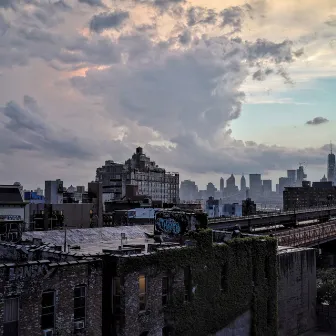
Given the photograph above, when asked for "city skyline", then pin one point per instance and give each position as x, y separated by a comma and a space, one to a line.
207, 89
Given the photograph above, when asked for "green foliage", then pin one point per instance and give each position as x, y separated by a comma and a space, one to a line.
326, 286
250, 273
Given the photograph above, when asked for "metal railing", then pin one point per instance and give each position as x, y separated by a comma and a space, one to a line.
308, 235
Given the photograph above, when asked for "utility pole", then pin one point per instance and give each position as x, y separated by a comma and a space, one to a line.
65, 238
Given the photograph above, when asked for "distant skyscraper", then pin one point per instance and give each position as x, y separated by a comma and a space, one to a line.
211, 189
188, 190
291, 175
283, 183
231, 182
221, 184
255, 184
324, 179
267, 187
243, 184
331, 166
300, 176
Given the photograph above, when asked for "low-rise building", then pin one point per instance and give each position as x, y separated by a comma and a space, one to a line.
50, 298
13, 212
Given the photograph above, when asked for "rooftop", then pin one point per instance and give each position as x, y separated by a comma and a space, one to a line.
10, 194
104, 235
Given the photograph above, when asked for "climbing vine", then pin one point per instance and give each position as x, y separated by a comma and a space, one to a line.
248, 267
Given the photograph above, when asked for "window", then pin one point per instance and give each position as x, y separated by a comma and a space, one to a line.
187, 284
145, 333
166, 287
11, 317
224, 278
142, 292
116, 291
48, 310
79, 303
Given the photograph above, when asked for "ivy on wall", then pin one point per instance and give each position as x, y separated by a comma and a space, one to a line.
250, 274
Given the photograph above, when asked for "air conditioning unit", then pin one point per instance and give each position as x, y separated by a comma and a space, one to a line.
79, 325
48, 332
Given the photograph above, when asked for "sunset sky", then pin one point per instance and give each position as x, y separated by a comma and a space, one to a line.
207, 89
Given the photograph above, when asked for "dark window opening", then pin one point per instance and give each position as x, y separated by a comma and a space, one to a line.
224, 278
166, 289
79, 303
142, 292
167, 331
11, 317
145, 333
116, 296
48, 310
187, 284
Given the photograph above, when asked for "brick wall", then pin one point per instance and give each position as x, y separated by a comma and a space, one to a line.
297, 292
62, 278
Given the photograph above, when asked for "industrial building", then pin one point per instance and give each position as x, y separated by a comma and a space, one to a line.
320, 194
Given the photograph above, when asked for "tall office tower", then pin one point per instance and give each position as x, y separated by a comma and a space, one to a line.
211, 189
283, 183
221, 184
231, 182
300, 176
243, 184
291, 175
331, 166
267, 187
255, 185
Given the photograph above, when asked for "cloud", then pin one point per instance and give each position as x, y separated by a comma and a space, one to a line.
93, 3
103, 21
27, 124
317, 121
172, 77
200, 15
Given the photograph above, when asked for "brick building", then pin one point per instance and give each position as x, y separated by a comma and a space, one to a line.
320, 194
126, 284
155, 289
50, 298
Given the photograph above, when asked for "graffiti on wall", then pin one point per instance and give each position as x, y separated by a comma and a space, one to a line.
168, 225
28, 271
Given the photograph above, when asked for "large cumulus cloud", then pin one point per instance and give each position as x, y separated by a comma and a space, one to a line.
174, 88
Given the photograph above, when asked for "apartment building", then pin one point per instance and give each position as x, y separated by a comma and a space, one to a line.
150, 179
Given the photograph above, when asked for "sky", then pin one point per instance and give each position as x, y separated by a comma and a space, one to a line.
207, 88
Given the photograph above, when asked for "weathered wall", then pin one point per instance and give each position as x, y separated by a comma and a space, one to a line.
249, 284
241, 326
296, 291
28, 282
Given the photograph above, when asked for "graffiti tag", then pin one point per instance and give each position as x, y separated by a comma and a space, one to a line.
28, 271
168, 225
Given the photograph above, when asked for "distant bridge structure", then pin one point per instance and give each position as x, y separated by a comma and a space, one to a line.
287, 219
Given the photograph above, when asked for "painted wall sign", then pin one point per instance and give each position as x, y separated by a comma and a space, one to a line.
10, 217
28, 271
168, 225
